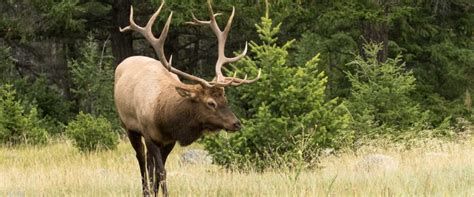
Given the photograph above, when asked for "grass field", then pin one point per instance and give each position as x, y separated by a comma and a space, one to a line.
434, 169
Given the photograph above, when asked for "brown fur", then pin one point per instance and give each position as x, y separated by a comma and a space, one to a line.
155, 105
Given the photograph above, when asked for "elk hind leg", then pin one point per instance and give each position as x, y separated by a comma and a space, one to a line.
151, 168
137, 144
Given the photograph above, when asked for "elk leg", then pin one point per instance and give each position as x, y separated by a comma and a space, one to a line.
157, 173
136, 141
151, 170
160, 172
165, 151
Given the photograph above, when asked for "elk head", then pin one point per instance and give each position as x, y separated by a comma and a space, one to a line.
206, 97
211, 107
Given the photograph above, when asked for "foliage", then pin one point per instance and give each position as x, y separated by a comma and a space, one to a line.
380, 94
434, 36
35, 91
7, 70
89, 133
30, 19
336, 50
17, 125
47, 97
92, 76
286, 105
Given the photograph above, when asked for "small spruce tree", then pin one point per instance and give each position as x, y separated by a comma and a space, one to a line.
380, 100
92, 76
17, 125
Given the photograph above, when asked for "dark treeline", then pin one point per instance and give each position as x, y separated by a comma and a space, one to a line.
60, 54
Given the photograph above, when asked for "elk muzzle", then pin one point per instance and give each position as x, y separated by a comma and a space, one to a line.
236, 126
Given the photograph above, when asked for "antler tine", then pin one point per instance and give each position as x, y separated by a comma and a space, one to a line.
133, 25
150, 23
238, 57
229, 23
197, 21
241, 82
214, 25
237, 81
225, 83
160, 43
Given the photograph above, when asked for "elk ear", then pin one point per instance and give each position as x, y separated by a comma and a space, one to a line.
186, 93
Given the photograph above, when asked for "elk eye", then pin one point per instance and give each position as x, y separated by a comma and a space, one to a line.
212, 104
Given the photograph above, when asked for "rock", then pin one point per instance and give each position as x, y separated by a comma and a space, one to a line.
377, 162
196, 156
103, 171
327, 152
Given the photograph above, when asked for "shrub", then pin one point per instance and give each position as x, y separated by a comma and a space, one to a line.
48, 98
18, 126
286, 115
89, 133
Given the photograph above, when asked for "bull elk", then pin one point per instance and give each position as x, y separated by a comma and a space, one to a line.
157, 109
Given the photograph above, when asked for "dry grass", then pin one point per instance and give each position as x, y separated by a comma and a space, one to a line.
59, 170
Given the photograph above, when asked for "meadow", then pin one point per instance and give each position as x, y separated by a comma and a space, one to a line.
431, 168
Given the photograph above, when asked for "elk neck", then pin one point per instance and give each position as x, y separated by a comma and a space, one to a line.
178, 118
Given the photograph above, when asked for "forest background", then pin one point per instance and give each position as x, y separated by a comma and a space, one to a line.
335, 74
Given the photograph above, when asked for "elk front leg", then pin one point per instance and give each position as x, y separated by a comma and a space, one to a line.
159, 169
165, 151
136, 141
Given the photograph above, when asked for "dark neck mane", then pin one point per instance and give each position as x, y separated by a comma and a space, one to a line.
178, 121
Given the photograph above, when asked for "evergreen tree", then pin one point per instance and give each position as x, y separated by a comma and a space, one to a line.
17, 125
92, 76
380, 96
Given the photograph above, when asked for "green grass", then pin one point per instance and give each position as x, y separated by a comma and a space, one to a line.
60, 170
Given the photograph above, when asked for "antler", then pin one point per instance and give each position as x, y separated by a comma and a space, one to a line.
220, 79
158, 44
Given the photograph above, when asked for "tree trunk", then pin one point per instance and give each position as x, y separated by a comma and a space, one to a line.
122, 43
376, 32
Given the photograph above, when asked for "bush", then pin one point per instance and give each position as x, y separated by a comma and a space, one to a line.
18, 126
48, 98
89, 133
286, 116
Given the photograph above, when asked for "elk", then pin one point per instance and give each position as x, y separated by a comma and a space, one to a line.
157, 109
